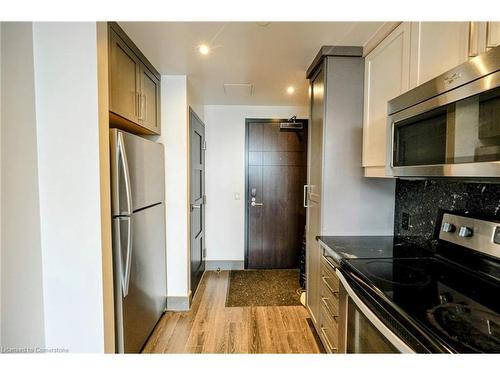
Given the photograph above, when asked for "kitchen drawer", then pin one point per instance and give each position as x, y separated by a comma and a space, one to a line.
330, 302
328, 331
329, 279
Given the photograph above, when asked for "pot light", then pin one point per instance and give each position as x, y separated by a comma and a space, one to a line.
290, 90
203, 49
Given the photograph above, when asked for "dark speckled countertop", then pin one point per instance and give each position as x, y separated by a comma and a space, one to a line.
348, 247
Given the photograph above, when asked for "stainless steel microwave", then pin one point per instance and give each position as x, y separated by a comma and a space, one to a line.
449, 126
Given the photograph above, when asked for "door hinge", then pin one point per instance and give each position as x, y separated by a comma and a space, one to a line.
204, 147
204, 253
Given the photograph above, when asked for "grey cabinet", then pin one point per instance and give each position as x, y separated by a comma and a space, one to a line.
339, 200
313, 193
134, 86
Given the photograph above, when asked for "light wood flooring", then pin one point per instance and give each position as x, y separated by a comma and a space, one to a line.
210, 327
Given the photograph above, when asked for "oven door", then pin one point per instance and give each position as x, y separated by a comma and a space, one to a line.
361, 331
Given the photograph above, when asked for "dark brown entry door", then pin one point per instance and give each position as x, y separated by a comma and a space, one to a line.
197, 198
276, 174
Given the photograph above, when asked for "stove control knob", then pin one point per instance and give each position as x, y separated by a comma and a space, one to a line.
448, 227
465, 232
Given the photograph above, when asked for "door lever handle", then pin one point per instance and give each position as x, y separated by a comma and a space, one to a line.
195, 206
256, 204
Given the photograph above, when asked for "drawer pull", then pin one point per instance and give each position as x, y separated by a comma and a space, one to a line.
335, 317
330, 346
324, 278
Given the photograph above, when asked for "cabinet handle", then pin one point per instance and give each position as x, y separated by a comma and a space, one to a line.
139, 106
306, 196
330, 346
336, 294
335, 317
145, 107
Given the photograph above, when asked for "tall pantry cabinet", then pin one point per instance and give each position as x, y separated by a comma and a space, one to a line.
339, 199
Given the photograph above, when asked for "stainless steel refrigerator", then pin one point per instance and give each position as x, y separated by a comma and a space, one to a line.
139, 258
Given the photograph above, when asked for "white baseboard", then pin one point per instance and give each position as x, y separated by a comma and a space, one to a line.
213, 265
178, 303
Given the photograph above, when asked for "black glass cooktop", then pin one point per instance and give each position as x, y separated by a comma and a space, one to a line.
455, 307
351, 247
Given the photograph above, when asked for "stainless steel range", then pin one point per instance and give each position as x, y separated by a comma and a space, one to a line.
446, 302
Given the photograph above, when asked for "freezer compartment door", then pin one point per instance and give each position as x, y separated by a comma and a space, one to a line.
137, 172
147, 288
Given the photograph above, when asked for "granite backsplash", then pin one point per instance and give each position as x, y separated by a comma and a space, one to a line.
425, 200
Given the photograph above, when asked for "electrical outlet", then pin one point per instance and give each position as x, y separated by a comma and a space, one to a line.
405, 221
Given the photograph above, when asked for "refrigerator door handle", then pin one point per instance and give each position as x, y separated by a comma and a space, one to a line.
123, 158
128, 259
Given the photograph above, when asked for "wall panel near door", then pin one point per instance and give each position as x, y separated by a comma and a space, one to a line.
276, 173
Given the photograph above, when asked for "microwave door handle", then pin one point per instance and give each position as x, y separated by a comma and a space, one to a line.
381, 327
123, 158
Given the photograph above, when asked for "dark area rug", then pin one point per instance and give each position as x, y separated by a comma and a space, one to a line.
263, 288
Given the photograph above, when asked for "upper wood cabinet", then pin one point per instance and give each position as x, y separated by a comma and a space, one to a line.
386, 76
134, 86
437, 47
149, 106
124, 86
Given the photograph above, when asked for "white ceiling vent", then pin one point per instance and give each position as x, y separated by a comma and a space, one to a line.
238, 90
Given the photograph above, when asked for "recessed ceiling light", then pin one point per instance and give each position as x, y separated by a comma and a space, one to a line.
203, 49
290, 90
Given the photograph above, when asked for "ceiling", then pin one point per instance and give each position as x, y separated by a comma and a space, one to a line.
269, 55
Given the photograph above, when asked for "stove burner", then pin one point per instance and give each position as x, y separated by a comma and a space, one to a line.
406, 275
476, 329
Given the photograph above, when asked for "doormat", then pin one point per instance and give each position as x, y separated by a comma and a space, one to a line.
263, 288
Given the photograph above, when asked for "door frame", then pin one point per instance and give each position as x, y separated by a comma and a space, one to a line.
191, 291
248, 121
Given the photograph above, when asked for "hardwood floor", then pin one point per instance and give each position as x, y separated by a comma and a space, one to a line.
210, 327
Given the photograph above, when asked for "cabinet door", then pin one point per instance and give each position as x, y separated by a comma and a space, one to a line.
437, 47
123, 79
149, 114
386, 76
313, 224
492, 34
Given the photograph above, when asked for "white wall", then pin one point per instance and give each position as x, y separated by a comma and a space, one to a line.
225, 174
21, 253
68, 161
175, 138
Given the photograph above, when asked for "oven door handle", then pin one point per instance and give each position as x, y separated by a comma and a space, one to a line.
381, 327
